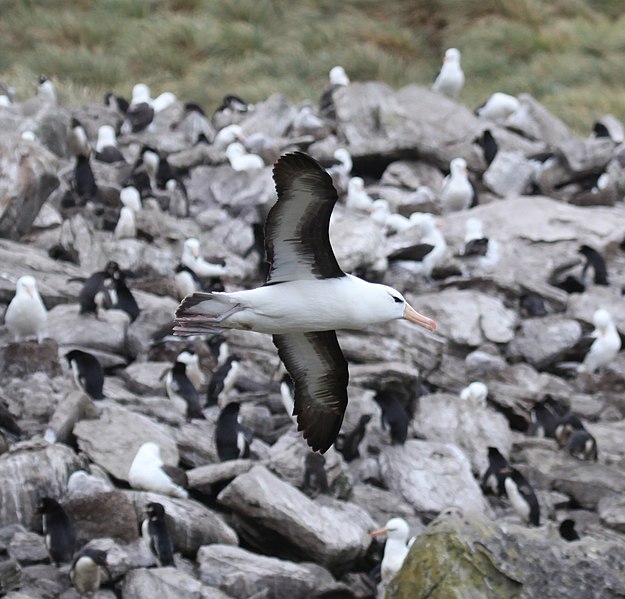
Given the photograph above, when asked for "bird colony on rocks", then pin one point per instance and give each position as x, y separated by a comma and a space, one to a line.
146, 457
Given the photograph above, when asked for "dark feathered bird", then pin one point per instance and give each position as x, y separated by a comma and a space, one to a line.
488, 144
595, 261
156, 535
522, 497
582, 445
116, 102
125, 300
532, 304
88, 373
495, 475
394, 416
182, 391
232, 439
84, 181
567, 530
93, 287
545, 416
222, 380
347, 443
315, 477
58, 530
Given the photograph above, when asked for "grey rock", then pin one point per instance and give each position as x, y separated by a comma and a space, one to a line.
586, 156
28, 177
146, 377
215, 473
509, 174
32, 464
333, 535
431, 476
10, 575
52, 129
272, 118
543, 341
69, 328
196, 440
506, 564
241, 574
26, 357
46, 579
93, 116
467, 317
166, 583
112, 440
28, 548
611, 510
483, 363
582, 306
75, 406
534, 121
448, 419
190, 524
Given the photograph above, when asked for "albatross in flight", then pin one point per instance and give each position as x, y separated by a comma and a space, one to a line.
305, 299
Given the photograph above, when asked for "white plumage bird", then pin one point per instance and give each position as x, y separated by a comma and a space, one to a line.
126, 227
457, 192
475, 394
241, 160
146, 473
606, 345
26, 315
498, 107
450, 79
357, 197
396, 547
192, 259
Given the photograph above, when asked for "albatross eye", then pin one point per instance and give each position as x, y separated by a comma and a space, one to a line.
397, 300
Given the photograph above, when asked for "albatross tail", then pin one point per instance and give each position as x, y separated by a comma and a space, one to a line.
203, 313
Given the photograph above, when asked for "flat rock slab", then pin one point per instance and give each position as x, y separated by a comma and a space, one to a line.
112, 440
431, 476
241, 574
166, 583
333, 535
29, 471
213, 473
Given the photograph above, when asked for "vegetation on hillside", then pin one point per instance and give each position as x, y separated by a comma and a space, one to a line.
569, 54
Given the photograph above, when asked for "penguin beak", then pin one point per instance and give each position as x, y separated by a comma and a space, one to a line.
379, 532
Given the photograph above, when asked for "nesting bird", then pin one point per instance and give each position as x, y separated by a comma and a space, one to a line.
396, 547
498, 107
126, 227
450, 79
241, 160
606, 346
106, 149
457, 193
192, 258
481, 252
475, 394
493, 480
381, 214
156, 535
146, 472
357, 198
26, 314
85, 571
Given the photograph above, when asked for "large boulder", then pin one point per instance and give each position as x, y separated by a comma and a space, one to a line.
27, 177
334, 535
512, 561
166, 583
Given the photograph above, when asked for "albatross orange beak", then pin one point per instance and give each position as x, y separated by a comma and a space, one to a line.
377, 533
413, 316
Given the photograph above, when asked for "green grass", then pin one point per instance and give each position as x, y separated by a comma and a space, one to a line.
569, 54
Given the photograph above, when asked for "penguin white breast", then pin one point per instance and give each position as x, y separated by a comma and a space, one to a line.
521, 507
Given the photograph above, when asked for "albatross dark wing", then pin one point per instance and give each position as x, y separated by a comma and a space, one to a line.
297, 239
319, 371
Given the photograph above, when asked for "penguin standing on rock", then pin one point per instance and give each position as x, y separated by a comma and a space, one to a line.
88, 373
347, 444
58, 530
26, 315
315, 477
394, 416
182, 392
156, 535
222, 381
522, 496
495, 475
94, 293
85, 571
232, 439
84, 183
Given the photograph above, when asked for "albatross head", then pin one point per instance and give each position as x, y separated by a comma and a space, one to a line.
395, 528
26, 285
391, 305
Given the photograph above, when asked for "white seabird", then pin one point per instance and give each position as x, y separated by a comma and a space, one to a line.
228, 135
498, 107
126, 227
457, 192
146, 472
606, 345
450, 79
241, 160
306, 298
192, 259
357, 197
381, 214
395, 548
475, 394
485, 251
430, 236
26, 315
131, 198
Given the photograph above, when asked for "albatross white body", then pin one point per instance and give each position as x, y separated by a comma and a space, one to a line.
306, 298
309, 305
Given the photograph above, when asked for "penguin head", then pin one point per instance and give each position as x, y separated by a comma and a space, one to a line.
155, 510
48, 506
